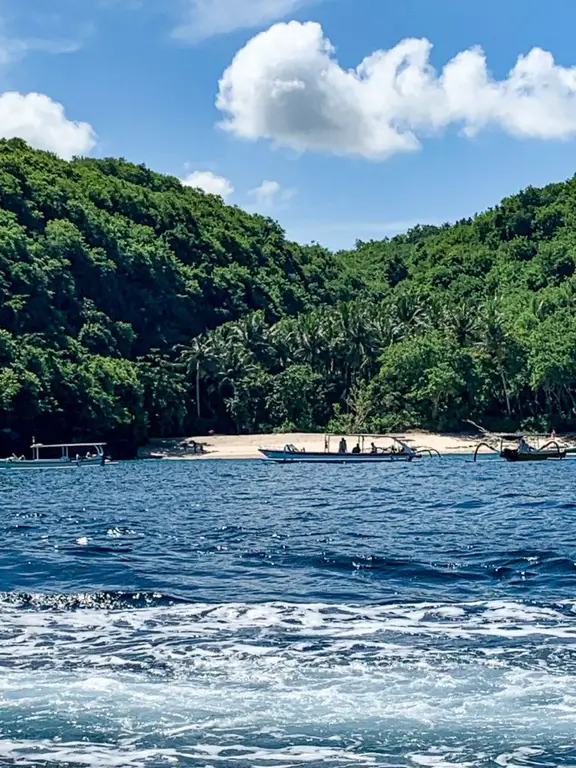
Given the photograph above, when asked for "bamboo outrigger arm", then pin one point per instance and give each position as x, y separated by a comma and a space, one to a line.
484, 445
552, 442
429, 451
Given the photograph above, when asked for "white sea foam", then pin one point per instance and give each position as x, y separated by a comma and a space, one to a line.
34, 753
281, 684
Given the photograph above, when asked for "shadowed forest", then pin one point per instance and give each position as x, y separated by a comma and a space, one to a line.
131, 306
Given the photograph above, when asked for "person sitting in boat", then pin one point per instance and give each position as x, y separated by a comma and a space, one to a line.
343, 447
356, 448
524, 447
373, 449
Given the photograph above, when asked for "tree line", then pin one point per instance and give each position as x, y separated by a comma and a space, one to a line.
131, 306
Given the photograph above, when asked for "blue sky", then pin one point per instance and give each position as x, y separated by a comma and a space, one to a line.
262, 101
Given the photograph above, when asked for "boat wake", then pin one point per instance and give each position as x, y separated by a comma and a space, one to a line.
126, 680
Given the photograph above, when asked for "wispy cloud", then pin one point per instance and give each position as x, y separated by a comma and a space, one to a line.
207, 18
14, 49
270, 196
14, 45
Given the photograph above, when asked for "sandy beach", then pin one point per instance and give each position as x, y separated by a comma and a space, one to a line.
246, 446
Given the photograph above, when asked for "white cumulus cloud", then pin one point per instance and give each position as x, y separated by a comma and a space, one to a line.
42, 122
209, 182
286, 85
270, 195
206, 18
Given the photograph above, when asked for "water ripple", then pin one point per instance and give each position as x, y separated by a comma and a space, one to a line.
242, 614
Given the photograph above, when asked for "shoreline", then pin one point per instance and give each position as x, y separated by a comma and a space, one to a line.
246, 446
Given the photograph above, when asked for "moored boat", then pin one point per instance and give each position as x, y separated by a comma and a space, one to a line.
72, 456
515, 447
398, 451
533, 454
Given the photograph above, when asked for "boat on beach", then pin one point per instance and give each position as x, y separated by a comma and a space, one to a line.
396, 451
72, 456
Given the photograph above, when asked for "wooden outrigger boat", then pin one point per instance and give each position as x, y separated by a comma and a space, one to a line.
398, 451
70, 457
533, 454
518, 448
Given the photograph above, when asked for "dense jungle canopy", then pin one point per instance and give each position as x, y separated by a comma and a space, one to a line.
132, 306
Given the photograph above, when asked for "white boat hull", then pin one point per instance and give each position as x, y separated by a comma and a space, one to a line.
26, 464
309, 457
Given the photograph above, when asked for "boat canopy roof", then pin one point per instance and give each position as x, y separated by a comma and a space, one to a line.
398, 438
69, 445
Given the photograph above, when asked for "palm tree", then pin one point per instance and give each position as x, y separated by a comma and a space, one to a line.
355, 339
230, 359
195, 357
282, 341
384, 328
494, 339
310, 338
410, 311
252, 332
462, 323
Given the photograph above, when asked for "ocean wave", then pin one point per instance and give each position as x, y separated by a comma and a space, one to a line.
46, 752
130, 683
108, 601
36, 753
150, 633
253, 620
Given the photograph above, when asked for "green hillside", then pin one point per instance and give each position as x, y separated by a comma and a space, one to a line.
475, 320
131, 306
105, 268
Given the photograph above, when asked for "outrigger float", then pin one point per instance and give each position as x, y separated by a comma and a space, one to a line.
514, 447
398, 451
72, 456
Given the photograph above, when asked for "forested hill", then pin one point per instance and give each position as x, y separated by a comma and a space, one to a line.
475, 320
105, 268
131, 306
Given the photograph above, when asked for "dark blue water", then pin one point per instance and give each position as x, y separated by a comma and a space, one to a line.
246, 614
